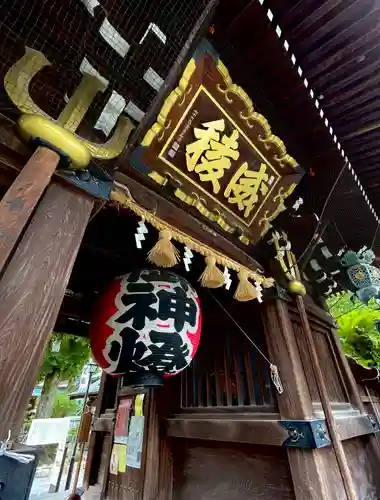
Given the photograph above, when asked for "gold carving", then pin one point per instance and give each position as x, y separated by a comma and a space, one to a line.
250, 116
75, 110
170, 101
216, 152
17, 80
31, 126
16, 84
115, 145
267, 219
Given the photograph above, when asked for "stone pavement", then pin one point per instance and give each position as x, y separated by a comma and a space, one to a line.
92, 494
61, 495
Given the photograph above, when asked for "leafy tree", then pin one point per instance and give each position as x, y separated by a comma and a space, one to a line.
63, 406
358, 329
347, 302
66, 364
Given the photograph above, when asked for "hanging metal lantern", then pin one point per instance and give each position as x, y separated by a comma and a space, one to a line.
348, 271
147, 324
363, 276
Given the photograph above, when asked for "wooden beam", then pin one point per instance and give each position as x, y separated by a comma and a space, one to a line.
361, 20
309, 21
236, 430
359, 122
246, 428
21, 199
361, 111
351, 427
353, 93
31, 293
363, 130
320, 71
182, 219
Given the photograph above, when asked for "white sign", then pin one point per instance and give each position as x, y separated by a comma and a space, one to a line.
48, 431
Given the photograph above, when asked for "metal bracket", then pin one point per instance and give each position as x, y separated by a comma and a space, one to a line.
93, 179
374, 423
307, 434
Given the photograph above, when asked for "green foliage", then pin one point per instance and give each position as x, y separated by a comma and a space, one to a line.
63, 406
347, 302
68, 362
357, 329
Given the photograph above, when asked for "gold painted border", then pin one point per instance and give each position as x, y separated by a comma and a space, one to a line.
251, 115
169, 103
198, 186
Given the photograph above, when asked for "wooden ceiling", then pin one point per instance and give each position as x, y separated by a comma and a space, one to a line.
337, 45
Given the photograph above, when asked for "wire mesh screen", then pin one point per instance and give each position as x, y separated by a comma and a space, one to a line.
129, 45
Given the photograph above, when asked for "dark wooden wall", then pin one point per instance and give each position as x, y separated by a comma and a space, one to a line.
206, 471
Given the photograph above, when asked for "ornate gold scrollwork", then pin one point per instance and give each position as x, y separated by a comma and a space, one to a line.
169, 103
266, 220
251, 117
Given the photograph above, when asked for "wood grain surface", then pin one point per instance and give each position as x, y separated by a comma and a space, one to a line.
31, 292
307, 466
208, 471
17, 205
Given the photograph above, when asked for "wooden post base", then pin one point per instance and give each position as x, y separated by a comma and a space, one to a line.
307, 466
31, 292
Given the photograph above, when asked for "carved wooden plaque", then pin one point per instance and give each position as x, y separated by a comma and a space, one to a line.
222, 154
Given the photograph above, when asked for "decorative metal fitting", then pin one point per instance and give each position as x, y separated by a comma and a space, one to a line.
308, 434
374, 422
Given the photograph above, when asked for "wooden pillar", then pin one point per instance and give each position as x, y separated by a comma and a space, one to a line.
31, 292
322, 389
18, 203
158, 477
307, 467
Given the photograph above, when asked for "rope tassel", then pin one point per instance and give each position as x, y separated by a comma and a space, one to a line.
164, 253
245, 290
212, 276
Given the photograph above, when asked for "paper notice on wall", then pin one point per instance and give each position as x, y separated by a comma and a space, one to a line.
135, 442
114, 466
122, 421
118, 461
139, 405
121, 451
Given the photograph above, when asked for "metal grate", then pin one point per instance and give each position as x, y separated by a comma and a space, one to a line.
129, 44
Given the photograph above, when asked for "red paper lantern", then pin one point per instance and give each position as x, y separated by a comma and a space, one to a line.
148, 321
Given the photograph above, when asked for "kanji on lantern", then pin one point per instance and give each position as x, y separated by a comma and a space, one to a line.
148, 320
